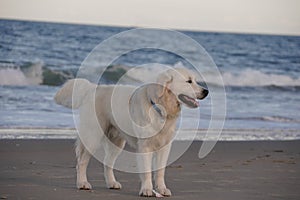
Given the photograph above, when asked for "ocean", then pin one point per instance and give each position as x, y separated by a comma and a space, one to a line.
261, 74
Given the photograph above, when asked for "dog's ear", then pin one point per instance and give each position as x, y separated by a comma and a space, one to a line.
164, 80
154, 91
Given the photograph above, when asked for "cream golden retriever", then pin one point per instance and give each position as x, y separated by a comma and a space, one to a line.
145, 118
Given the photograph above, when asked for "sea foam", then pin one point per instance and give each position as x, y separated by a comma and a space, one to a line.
255, 78
27, 75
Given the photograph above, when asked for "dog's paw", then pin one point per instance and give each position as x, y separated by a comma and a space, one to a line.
114, 185
146, 192
84, 185
164, 191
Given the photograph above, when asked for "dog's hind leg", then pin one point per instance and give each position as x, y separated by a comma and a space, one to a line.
113, 146
83, 158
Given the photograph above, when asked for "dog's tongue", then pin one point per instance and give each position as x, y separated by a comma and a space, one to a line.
193, 103
196, 103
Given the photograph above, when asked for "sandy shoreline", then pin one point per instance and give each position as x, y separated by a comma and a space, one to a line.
45, 169
182, 135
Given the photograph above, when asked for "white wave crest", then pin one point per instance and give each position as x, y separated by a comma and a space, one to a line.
12, 76
251, 77
247, 77
30, 75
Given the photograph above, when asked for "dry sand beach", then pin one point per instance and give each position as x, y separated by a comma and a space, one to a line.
45, 169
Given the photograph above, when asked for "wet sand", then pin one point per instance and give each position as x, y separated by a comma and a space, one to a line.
45, 169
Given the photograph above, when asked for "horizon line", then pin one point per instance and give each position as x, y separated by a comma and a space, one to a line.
156, 27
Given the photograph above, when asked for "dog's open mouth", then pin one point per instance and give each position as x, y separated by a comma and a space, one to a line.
190, 102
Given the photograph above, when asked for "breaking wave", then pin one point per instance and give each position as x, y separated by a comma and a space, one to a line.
245, 78
255, 78
38, 74
13, 75
32, 74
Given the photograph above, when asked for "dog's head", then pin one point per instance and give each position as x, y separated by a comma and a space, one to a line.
181, 82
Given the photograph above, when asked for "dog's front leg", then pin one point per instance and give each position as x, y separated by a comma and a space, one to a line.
144, 161
161, 162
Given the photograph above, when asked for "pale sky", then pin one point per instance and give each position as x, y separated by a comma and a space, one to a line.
247, 16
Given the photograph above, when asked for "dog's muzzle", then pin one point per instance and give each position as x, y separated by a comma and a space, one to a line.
191, 102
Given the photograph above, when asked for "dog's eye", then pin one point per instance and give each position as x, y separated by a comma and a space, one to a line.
189, 81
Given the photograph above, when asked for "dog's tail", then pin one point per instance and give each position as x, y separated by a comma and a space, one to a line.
66, 96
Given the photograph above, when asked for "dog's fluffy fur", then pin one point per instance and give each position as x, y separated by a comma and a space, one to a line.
145, 118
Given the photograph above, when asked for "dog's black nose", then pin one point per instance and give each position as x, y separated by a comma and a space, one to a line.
205, 92
202, 94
